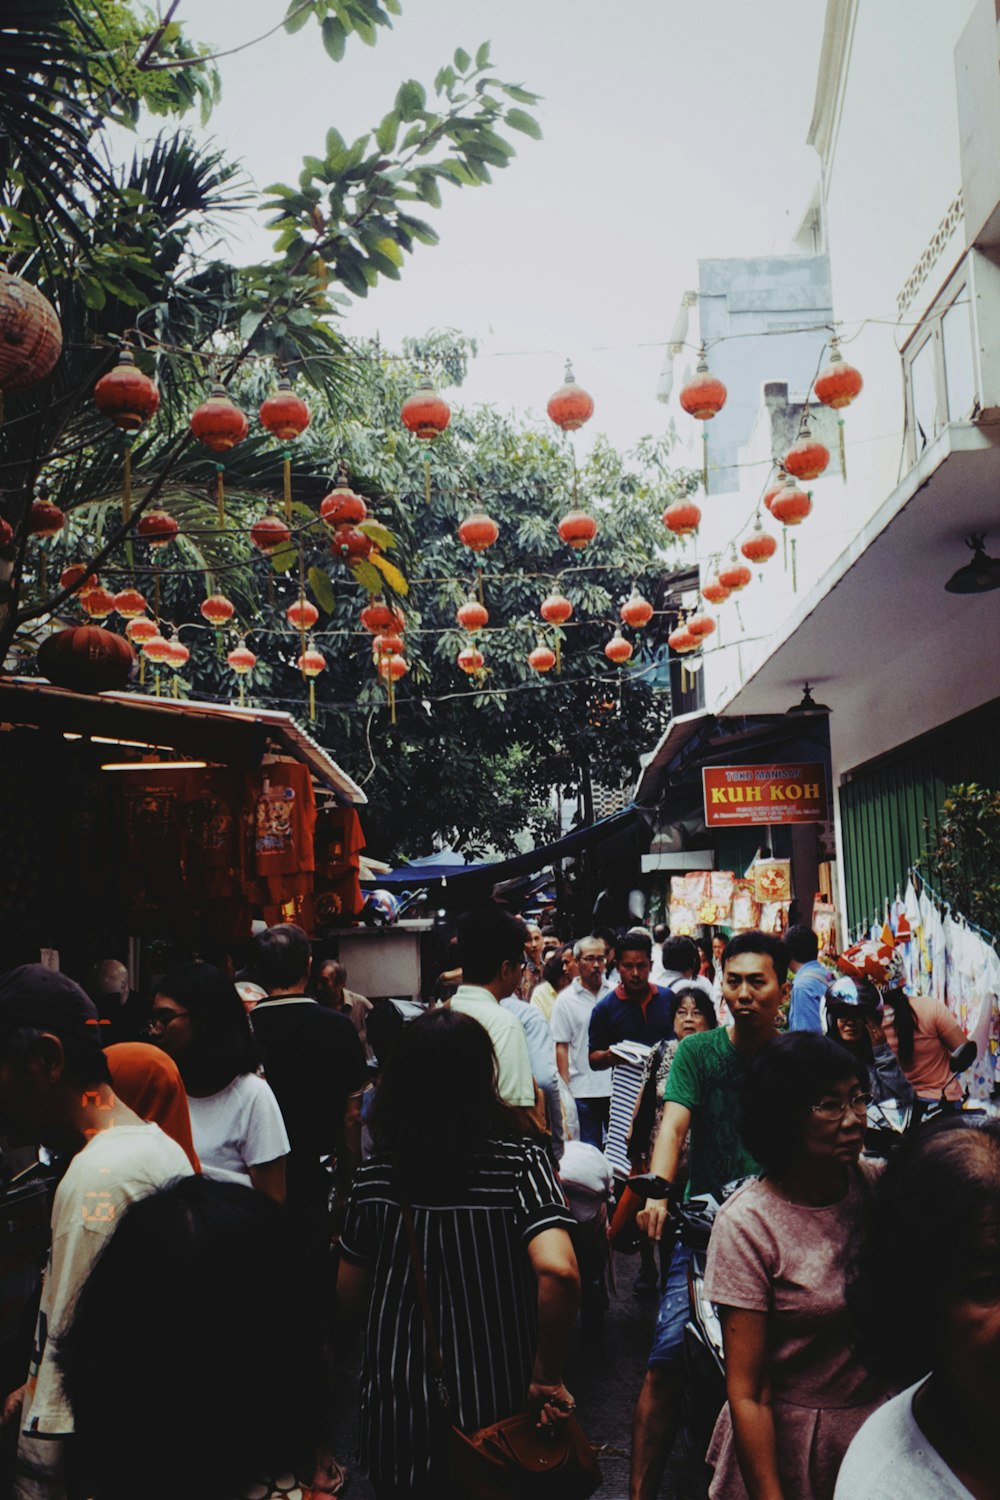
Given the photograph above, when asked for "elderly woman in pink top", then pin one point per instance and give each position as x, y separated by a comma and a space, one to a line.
928, 1041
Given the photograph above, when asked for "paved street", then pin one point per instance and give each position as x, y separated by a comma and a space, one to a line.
604, 1374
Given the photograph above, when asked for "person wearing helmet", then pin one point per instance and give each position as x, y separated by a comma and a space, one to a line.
852, 1015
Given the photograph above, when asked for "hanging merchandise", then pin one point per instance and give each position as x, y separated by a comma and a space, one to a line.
286, 417
242, 660
683, 518
746, 912
342, 507
219, 425
772, 880
824, 925
478, 531
311, 663
703, 397
577, 529
472, 615
129, 398
426, 415
636, 611
618, 649
571, 405
542, 658
837, 386
30, 335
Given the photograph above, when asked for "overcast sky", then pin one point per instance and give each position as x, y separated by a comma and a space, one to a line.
671, 131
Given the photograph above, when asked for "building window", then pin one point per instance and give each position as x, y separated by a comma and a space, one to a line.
939, 367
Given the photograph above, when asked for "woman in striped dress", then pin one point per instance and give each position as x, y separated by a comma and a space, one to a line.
492, 1231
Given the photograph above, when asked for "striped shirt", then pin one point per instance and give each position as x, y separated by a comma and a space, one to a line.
483, 1301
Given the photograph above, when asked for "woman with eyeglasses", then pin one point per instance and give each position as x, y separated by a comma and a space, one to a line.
239, 1133
777, 1263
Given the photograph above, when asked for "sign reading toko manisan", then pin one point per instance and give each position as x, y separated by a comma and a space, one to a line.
741, 796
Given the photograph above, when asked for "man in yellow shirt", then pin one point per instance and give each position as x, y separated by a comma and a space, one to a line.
491, 955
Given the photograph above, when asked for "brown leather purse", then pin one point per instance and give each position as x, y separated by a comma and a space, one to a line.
514, 1459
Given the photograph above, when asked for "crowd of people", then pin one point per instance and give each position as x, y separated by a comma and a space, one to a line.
253, 1172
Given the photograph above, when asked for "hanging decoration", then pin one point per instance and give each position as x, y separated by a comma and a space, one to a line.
30, 335
735, 575
577, 529
472, 615
311, 663
219, 425
98, 603
350, 544
6, 533
286, 417
699, 626
426, 415
837, 386
703, 397
714, 591
342, 507
791, 506
471, 660
177, 659
269, 534
157, 527
302, 615
555, 609
45, 519
542, 659
391, 669
760, 546
806, 459
571, 405
683, 518
618, 649
217, 610
636, 611
389, 644
478, 531
87, 659
130, 604
378, 616
681, 640
242, 660
776, 485
129, 399
71, 576
157, 650
139, 631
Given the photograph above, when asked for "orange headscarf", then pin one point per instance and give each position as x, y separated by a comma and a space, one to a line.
147, 1080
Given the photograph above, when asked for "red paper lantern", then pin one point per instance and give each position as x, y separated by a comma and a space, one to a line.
285, 415
377, 615
158, 649
156, 527
30, 335
45, 519
618, 649
241, 659
478, 531
577, 529
70, 577
268, 534
704, 396
839, 383
555, 609
130, 604
759, 545
217, 610
683, 518
389, 644
302, 615
393, 666
312, 662
86, 659
125, 395
681, 640
571, 405
178, 655
541, 659
806, 459
735, 575
141, 630
636, 611
472, 615
97, 602
342, 507
218, 423
791, 505
715, 591
470, 660
424, 413
773, 489
350, 544
699, 626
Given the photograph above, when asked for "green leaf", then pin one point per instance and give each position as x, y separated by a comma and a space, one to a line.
410, 100
334, 38
322, 590
285, 558
369, 578
393, 577
517, 119
388, 247
249, 323
385, 135
380, 535
462, 60
483, 56
297, 16
92, 292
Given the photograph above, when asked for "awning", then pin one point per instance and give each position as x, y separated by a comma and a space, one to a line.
235, 736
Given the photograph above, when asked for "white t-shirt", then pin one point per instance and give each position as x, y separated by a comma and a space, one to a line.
114, 1169
238, 1128
891, 1459
571, 1024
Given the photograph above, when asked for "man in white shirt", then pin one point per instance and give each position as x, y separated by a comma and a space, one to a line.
571, 1032
491, 955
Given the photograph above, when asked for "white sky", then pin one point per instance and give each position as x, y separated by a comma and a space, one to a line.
671, 131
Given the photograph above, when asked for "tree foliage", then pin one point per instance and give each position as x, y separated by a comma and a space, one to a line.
963, 862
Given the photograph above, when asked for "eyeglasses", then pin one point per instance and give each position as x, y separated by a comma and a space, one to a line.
162, 1018
836, 1109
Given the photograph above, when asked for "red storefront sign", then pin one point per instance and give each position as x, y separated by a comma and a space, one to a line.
742, 796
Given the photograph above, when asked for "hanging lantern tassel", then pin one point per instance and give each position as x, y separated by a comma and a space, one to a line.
841, 449
739, 617
684, 678
558, 651
142, 667
220, 494
784, 547
127, 485
704, 458
312, 698
175, 687
156, 605
286, 469
156, 673
795, 582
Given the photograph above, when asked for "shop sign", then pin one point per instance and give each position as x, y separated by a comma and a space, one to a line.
745, 796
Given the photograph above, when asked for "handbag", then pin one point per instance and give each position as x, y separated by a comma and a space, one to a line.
513, 1459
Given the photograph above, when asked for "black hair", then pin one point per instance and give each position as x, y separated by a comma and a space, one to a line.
233, 1384
697, 994
280, 956
681, 955
86, 1064
661, 932
635, 942
488, 938
937, 1189
904, 1022
802, 943
869, 1004
608, 936
554, 969
758, 942
223, 1045
437, 1103
783, 1079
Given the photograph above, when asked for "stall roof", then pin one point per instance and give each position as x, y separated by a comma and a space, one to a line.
239, 736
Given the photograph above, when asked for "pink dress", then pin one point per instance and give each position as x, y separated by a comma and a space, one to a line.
772, 1256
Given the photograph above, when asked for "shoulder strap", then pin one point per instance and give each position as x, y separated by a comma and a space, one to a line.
433, 1347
